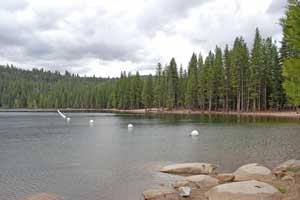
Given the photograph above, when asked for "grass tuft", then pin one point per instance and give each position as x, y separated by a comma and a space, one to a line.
282, 189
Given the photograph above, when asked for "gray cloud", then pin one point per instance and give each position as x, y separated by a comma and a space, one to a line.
79, 36
277, 6
157, 14
13, 5
52, 35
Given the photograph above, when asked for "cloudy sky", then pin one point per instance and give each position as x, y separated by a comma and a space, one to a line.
106, 36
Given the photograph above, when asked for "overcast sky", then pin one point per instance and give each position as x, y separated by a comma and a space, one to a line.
106, 36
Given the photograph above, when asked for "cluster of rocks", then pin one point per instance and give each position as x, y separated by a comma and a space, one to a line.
200, 181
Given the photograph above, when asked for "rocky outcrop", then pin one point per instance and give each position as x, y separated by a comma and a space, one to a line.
254, 182
253, 171
292, 165
202, 181
245, 190
160, 194
43, 196
197, 181
189, 168
225, 177
286, 167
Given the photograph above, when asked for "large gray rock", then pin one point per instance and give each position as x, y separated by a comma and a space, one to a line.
189, 168
160, 194
202, 181
245, 190
253, 171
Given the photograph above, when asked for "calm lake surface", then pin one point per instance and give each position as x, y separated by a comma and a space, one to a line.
42, 153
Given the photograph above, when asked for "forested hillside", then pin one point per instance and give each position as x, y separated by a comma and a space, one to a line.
44, 89
233, 79
237, 78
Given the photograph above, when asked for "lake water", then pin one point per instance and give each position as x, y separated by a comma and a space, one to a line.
42, 153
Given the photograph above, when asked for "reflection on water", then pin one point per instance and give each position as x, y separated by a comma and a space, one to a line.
41, 153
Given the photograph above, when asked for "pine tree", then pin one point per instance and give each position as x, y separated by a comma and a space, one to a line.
201, 82
276, 99
159, 87
191, 99
219, 79
147, 95
181, 87
172, 84
291, 48
138, 90
209, 78
227, 77
256, 71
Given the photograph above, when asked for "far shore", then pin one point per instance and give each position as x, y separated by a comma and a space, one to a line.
280, 114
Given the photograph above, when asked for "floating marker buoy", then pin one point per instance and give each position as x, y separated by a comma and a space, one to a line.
68, 119
61, 114
91, 122
194, 133
130, 126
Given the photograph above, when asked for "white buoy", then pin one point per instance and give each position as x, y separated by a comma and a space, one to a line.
130, 126
194, 133
68, 119
61, 114
91, 122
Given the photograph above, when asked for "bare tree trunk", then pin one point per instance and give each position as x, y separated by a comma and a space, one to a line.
224, 104
248, 101
238, 101
254, 104
265, 95
210, 102
242, 95
259, 98
226, 101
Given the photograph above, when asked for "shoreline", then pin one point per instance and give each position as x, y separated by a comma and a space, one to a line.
276, 114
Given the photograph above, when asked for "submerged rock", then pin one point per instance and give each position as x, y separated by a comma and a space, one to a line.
253, 171
160, 194
189, 168
245, 190
43, 196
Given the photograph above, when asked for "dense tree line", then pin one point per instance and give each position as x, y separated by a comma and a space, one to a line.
233, 79
236, 78
44, 89
290, 52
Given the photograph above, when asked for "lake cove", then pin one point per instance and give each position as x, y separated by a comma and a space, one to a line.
43, 155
